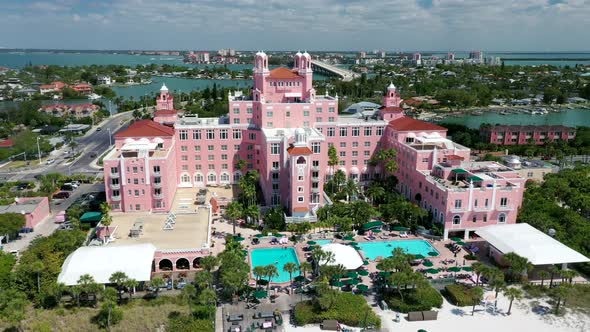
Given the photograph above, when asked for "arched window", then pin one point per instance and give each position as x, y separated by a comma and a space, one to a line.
456, 220
165, 265
224, 177
502, 218
197, 263
211, 177
300, 160
182, 264
237, 177
198, 177
185, 178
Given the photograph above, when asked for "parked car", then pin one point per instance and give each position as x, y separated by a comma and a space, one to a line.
93, 154
74, 184
61, 195
180, 285
98, 129
49, 161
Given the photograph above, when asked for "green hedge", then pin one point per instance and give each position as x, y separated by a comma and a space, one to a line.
419, 299
460, 295
348, 309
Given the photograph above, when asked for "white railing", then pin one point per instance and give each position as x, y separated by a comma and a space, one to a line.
115, 186
116, 198
115, 175
458, 209
505, 208
157, 184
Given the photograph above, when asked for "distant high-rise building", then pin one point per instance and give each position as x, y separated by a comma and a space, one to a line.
227, 52
382, 54
362, 55
451, 56
476, 56
417, 58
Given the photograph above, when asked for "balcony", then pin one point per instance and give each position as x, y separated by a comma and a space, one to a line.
158, 196
315, 168
157, 184
114, 175
505, 208
315, 179
156, 173
481, 208
315, 190
115, 186
458, 209
116, 198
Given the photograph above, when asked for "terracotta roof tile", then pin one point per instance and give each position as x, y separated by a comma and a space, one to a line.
299, 150
283, 73
145, 128
410, 124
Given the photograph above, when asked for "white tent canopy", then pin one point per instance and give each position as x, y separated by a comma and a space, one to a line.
344, 255
527, 241
101, 262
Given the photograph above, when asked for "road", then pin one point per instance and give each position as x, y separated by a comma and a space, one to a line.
92, 141
48, 226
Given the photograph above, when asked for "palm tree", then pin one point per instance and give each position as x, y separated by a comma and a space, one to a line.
203, 279
543, 275
290, 268
496, 281
554, 271
318, 256
375, 191
561, 292
479, 269
304, 268
271, 271
519, 266
37, 267
131, 283
188, 294
568, 275
476, 295
351, 188
107, 219
512, 294
157, 282
259, 272
119, 278
234, 211
88, 285
208, 263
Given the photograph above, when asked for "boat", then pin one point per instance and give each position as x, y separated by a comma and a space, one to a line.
94, 96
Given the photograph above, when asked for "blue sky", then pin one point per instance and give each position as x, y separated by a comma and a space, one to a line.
393, 25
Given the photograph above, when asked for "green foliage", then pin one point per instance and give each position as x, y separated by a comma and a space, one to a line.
109, 315
461, 295
346, 308
184, 323
418, 299
11, 223
274, 220
7, 262
12, 305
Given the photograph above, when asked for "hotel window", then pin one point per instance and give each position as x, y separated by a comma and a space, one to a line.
115, 193
185, 167
236, 111
342, 163
529, 174
342, 144
210, 147
379, 131
134, 169
306, 124
197, 148
275, 176
315, 147
485, 218
197, 158
458, 203
275, 186
210, 134
136, 192
342, 153
319, 119
211, 167
156, 169
252, 136
355, 153
300, 178
183, 148
198, 167
237, 147
250, 156
249, 121
367, 144
137, 207
486, 203
183, 135
355, 162
224, 148
367, 153
300, 199
223, 134
368, 131
184, 158
275, 148
275, 165
475, 203
236, 121
343, 132
224, 166
250, 147
409, 139
503, 201
318, 110
355, 131
269, 125
474, 219
331, 119
331, 131
249, 110
502, 218
424, 160
269, 114
211, 178
196, 134
237, 133
305, 113
300, 189
456, 220
355, 144
114, 170
331, 109
288, 114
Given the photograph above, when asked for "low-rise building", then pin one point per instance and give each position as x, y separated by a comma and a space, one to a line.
77, 111
83, 88
522, 135
104, 80
35, 209
530, 169
56, 86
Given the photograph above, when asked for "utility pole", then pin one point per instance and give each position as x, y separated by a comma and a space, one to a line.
38, 150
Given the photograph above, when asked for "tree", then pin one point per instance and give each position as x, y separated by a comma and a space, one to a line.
332, 159
37, 267
208, 263
119, 278
88, 285
109, 313
496, 281
131, 283
290, 268
561, 292
479, 269
12, 306
234, 211
305, 267
476, 295
270, 271
259, 271
375, 191
157, 283
554, 271
188, 294
543, 275
519, 266
107, 219
11, 223
512, 294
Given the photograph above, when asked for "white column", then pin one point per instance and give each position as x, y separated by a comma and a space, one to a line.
445, 234
122, 167
470, 196
147, 168
494, 195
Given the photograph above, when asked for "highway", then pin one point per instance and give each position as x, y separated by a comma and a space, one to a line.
93, 141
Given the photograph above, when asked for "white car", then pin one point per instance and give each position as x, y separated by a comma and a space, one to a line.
49, 161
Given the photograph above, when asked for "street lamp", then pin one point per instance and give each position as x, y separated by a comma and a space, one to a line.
38, 150
109, 130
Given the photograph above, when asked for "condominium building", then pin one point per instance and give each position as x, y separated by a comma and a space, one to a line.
521, 135
283, 130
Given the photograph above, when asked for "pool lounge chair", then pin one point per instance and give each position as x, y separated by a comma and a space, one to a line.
403, 234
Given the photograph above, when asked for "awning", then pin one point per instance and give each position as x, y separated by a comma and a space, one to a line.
344, 255
91, 217
460, 171
372, 224
474, 178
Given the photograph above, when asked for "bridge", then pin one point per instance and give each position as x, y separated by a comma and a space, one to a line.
331, 70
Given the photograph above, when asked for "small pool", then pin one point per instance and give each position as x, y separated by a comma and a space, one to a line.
322, 242
372, 250
276, 256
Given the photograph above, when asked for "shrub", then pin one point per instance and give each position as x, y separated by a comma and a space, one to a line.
182, 323
470, 257
460, 295
346, 308
419, 299
104, 320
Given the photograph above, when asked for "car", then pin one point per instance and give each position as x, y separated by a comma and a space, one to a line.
93, 154
98, 129
22, 186
66, 187
180, 285
49, 161
169, 284
61, 195
15, 253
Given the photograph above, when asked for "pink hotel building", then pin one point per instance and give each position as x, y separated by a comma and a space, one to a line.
283, 131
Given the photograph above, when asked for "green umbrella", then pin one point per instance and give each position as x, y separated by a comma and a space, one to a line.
262, 282
352, 274
353, 243
461, 243
349, 238
433, 271
365, 262
245, 252
259, 235
337, 284
362, 287
384, 274
428, 263
357, 247
432, 253
467, 268
455, 269
419, 256
400, 229
363, 272
299, 278
351, 281
311, 243
278, 234
456, 239
377, 231
238, 238
259, 294
338, 276
422, 330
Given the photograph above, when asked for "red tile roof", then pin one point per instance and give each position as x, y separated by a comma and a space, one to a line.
410, 124
145, 128
299, 150
391, 109
165, 112
283, 73
7, 143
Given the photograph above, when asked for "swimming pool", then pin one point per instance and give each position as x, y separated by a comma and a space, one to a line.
277, 257
372, 250
322, 242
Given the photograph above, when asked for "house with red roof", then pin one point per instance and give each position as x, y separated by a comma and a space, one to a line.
83, 88
6, 143
56, 86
